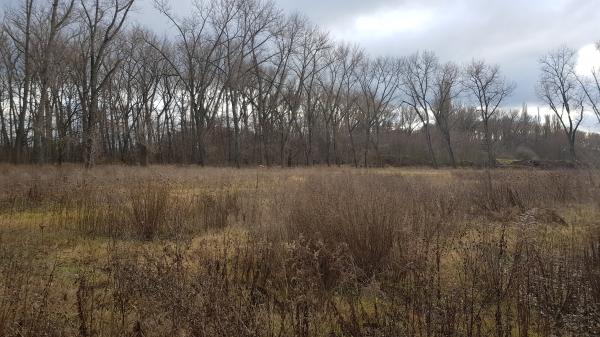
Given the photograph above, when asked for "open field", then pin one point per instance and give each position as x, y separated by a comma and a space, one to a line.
184, 251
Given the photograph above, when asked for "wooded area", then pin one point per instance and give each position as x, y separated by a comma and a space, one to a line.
241, 83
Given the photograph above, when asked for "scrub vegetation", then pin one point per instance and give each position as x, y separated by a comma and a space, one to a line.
183, 251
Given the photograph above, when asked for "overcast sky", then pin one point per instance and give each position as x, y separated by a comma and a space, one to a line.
511, 33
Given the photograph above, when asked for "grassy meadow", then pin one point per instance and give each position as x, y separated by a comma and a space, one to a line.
187, 251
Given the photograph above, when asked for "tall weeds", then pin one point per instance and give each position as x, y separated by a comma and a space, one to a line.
300, 253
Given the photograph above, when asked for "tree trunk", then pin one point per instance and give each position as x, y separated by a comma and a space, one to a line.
572, 149
92, 132
366, 150
39, 127
354, 155
430, 145
21, 137
200, 144
236, 130
449, 148
488, 144
334, 141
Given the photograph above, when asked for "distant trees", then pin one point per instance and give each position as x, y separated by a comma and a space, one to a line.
52, 20
591, 88
335, 86
239, 82
419, 72
560, 89
18, 27
488, 88
430, 89
446, 91
378, 84
99, 24
197, 51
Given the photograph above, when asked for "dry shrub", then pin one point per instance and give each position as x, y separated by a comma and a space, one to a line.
182, 292
364, 253
236, 285
523, 190
591, 264
149, 209
90, 211
563, 288
362, 213
137, 210
218, 208
25, 287
20, 196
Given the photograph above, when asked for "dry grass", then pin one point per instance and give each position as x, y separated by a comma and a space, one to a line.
181, 251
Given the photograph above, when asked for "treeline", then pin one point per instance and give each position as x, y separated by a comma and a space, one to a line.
239, 82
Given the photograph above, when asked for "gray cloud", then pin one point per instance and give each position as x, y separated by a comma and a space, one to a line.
331, 12
511, 33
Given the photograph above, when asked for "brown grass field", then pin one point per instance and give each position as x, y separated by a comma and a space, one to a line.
185, 251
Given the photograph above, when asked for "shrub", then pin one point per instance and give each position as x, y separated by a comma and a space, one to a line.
149, 205
363, 214
217, 208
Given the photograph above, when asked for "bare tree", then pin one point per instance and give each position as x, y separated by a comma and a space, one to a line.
419, 73
378, 80
246, 34
5, 121
335, 85
18, 26
100, 23
7, 101
64, 95
559, 88
446, 90
271, 74
201, 39
591, 87
148, 70
408, 119
51, 21
307, 67
486, 85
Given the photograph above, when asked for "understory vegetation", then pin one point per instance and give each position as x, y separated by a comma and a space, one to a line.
181, 251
